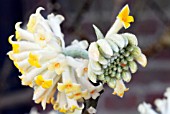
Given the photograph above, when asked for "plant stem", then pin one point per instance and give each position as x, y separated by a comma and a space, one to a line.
76, 52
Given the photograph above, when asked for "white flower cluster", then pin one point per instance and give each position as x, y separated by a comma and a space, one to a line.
59, 75
113, 57
40, 55
163, 105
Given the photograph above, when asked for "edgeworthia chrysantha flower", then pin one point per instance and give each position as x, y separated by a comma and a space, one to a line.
112, 58
163, 105
58, 74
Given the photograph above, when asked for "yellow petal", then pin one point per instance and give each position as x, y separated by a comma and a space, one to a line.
124, 17
62, 110
126, 25
47, 84
130, 19
39, 80
34, 60
73, 108
15, 48
124, 12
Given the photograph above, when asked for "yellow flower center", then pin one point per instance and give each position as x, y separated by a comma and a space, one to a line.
57, 65
69, 85
124, 19
92, 92
42, 38
85, 69
78, 94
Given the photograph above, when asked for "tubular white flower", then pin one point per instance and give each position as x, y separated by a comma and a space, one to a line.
35, 19
120, 88
69, 82
80, 65
22, 34
64, 104
18, 56
93, 91
123, 20
54, 22
114, 28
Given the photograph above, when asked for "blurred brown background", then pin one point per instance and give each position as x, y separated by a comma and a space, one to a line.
152, 27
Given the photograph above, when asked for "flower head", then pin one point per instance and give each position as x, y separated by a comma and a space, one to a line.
117, 62
113, 58
38, 53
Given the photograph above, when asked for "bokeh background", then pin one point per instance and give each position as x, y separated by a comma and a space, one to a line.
152, 27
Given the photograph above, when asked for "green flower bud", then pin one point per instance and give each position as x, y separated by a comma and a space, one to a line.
113, 74
136, 52
133, 66
126, 76
107, 78
118, 76
112, 83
